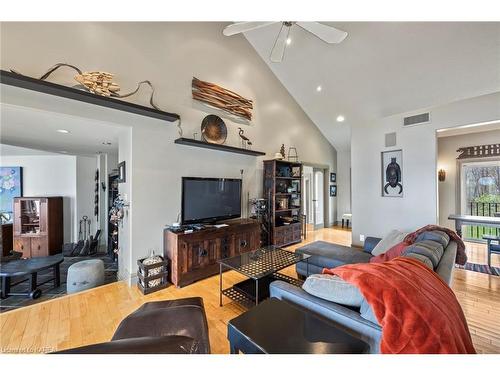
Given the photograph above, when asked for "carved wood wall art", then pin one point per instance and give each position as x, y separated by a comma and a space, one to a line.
481, 151
222, 98
99, 83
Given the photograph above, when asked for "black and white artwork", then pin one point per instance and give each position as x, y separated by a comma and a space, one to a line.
392, 173
333, 190
122, 177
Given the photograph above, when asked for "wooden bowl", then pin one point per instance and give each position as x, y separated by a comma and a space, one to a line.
213, 130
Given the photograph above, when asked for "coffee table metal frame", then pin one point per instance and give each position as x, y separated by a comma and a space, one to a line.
257, 265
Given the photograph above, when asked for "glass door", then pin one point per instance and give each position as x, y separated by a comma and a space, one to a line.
30, 216
318, 199
480, 195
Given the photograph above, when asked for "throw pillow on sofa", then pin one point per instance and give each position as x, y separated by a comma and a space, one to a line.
435, 235
333, 288
388, 242
431, 249
421, 258
392, 253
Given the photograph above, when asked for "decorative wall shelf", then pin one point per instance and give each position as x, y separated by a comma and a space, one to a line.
17, 80
213, 146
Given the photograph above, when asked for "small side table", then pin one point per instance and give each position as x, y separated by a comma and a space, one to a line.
346, 217
277, 327
493, 246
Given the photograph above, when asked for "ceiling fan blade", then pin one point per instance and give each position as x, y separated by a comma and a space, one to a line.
278, 51
326, 33
243, 27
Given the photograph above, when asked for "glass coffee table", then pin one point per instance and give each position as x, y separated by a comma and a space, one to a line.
261, 267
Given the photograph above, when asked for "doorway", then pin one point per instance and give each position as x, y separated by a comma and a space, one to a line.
315, 198
479, 194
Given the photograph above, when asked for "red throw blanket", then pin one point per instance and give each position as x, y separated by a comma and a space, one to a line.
418, 311
461, 257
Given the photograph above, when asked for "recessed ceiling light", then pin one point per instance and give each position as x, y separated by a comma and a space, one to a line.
64, 131
289, 41
107, 143
63, 152
319, 88
340, 118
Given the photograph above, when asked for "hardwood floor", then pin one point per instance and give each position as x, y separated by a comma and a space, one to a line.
92, 316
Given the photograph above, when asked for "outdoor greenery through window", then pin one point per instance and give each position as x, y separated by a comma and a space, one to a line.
481, 190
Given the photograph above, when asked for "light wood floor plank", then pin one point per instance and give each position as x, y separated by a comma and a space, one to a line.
92, 316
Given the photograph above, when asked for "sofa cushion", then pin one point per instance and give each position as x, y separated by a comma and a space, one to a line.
425, 260
431, 249
329, 255
435, 235
389, 241
366, 312
333, 288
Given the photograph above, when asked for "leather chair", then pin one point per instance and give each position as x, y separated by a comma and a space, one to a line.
163, 327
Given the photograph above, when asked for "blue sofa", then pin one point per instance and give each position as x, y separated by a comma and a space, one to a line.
328, 255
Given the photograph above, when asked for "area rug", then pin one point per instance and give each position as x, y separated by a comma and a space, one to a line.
482, 268
48, 290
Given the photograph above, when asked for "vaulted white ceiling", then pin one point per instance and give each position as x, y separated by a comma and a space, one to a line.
383, 68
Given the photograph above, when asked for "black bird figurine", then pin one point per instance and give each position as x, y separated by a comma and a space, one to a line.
244, 139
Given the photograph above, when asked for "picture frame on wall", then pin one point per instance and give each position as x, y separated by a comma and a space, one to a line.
11, 186
333, 190
333, 177
122, 174
392, 173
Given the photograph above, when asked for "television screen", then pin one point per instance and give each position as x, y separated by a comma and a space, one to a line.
210, 199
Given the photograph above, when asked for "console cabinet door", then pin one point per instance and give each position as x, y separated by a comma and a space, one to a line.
242, 243
201, 253
23, 245
39, 247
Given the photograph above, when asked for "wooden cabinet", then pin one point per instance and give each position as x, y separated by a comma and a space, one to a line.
6, 239
282, 189
194, 256
38, 226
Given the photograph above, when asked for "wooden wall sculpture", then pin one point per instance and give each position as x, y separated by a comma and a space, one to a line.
222, 98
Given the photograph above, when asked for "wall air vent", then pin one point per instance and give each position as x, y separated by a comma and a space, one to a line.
421, 118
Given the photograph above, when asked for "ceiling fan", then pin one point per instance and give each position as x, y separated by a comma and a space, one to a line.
327, 34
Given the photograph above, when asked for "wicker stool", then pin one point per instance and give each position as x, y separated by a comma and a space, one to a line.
85, 275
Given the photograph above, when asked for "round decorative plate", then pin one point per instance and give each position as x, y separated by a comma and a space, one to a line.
213, 129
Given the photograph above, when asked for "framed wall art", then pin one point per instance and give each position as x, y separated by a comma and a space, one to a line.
333, 190
392, 173
11, 186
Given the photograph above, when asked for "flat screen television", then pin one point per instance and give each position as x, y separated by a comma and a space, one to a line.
210, 199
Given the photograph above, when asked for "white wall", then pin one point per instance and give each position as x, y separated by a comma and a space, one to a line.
85, 173
69, 176
343, 183
170, 54
49, 175
447, 160
375, 215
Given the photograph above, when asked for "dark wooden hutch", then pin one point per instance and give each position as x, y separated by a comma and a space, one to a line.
38, 226
283, 190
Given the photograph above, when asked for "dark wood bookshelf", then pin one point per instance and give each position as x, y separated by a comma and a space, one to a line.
34, 84
214, 146
275, 173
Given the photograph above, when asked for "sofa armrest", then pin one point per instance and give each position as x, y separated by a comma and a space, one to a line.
370, 243
341, 316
